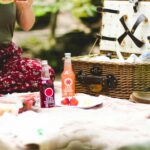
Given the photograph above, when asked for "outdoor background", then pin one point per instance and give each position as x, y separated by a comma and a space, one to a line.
61, 26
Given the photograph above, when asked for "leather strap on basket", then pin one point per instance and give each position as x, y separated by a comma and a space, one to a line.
107, 38
100, 9
137, 42
135, 5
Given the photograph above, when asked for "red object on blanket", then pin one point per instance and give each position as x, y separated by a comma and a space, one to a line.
19, 74
28, 104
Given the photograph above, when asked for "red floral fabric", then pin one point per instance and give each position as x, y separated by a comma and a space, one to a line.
19, 74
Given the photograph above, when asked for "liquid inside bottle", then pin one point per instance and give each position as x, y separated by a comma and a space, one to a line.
47, 93
68, 77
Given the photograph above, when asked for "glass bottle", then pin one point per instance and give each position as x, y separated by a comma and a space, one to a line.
47, 93
68, 77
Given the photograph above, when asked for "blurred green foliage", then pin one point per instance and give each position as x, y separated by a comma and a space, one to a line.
52, 46
79, 8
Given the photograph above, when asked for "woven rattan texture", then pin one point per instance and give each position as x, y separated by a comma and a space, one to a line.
130, 77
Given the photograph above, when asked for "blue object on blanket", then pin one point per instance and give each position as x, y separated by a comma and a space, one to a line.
145, 56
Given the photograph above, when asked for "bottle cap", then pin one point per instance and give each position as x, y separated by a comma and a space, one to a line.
67, 54
44, 62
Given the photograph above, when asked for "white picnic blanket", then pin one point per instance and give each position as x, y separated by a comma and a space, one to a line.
113, 124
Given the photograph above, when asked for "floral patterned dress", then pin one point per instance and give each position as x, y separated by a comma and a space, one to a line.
19, 74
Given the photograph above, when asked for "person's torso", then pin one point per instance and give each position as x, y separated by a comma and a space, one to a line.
7, 22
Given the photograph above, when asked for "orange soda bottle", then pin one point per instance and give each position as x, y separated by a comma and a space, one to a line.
68, 78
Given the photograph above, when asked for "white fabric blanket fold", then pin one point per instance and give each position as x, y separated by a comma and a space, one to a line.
114, 124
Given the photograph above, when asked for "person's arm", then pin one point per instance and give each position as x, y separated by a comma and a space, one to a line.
25, 15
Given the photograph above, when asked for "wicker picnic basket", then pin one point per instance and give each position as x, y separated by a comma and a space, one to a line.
117, 79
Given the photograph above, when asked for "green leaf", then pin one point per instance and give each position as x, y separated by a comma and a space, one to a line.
79, 8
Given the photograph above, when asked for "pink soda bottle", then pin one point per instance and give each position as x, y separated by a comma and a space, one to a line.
68, 77
47, 93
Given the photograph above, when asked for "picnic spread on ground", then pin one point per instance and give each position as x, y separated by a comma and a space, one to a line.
99, 123
101, 101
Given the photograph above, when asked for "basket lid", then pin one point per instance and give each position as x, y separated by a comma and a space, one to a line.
125, 26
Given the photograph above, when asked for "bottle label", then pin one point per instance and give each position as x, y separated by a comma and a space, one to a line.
49, 100
68, 88
47, 97
68, 82
49, 92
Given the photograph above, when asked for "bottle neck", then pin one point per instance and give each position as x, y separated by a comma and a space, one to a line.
45, 75
67, 64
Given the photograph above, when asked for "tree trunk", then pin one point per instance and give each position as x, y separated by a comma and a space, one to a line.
53, 25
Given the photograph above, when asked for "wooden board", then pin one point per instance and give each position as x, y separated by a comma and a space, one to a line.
112, 26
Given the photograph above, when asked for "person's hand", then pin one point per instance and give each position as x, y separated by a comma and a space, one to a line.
23, 4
